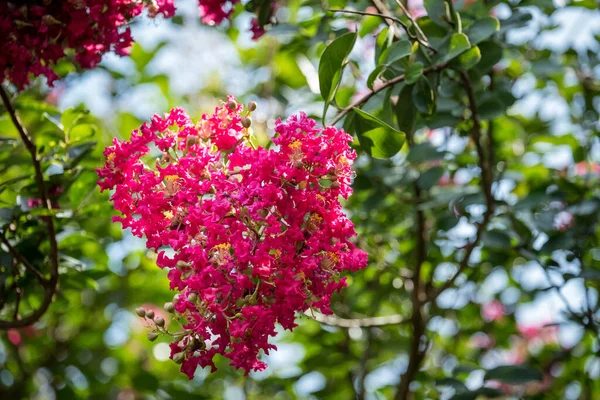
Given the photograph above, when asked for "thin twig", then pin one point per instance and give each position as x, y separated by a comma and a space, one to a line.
384, 86
383, 9
420, 36
365, 13
50, 285
334, 320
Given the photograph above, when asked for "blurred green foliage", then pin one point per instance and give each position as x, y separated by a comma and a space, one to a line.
479, 199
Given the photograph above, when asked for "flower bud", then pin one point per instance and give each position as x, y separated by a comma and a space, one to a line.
251, 106
159, 321
246, 122
232, 105
176, 298
140, 312
150, 314
152, 336
192, 297
179, 357
178, 336
191, 140
169, 307
335, 185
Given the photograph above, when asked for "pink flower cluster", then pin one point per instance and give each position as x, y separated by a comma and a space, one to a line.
251, 236
214, 12
37, 35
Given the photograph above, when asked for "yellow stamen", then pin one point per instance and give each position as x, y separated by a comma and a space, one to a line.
316, 218
223, 246
333, 257
320, 197
168, 214
277, 254
296, 144
111, 157
171, 178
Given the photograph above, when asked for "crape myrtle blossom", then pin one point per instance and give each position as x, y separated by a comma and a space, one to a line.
37, 35
254, 235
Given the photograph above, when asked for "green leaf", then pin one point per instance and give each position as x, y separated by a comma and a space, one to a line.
369, 23
376, 137
424, 152
561, 241
458, 44
384, 39
482, 29
514, 374
395, 52
405, 111
332, 64
468, 59
423, 96
429, 178
436, 10
413, 73
491, 54
496, 240
146, 382
374, 75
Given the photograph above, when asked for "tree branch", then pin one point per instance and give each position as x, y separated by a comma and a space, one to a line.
417, 354
22, 260
384, 86
486, 185
51, 284
334, 320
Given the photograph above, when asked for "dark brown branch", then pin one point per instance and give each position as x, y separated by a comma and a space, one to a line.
486, 185
384, 86
417, 354
50, 285
22, 260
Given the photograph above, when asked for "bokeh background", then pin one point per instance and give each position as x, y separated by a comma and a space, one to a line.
91, 345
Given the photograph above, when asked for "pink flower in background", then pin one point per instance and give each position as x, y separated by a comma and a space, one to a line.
255, 235
543, 332
587, 168
563, 221
493, 311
